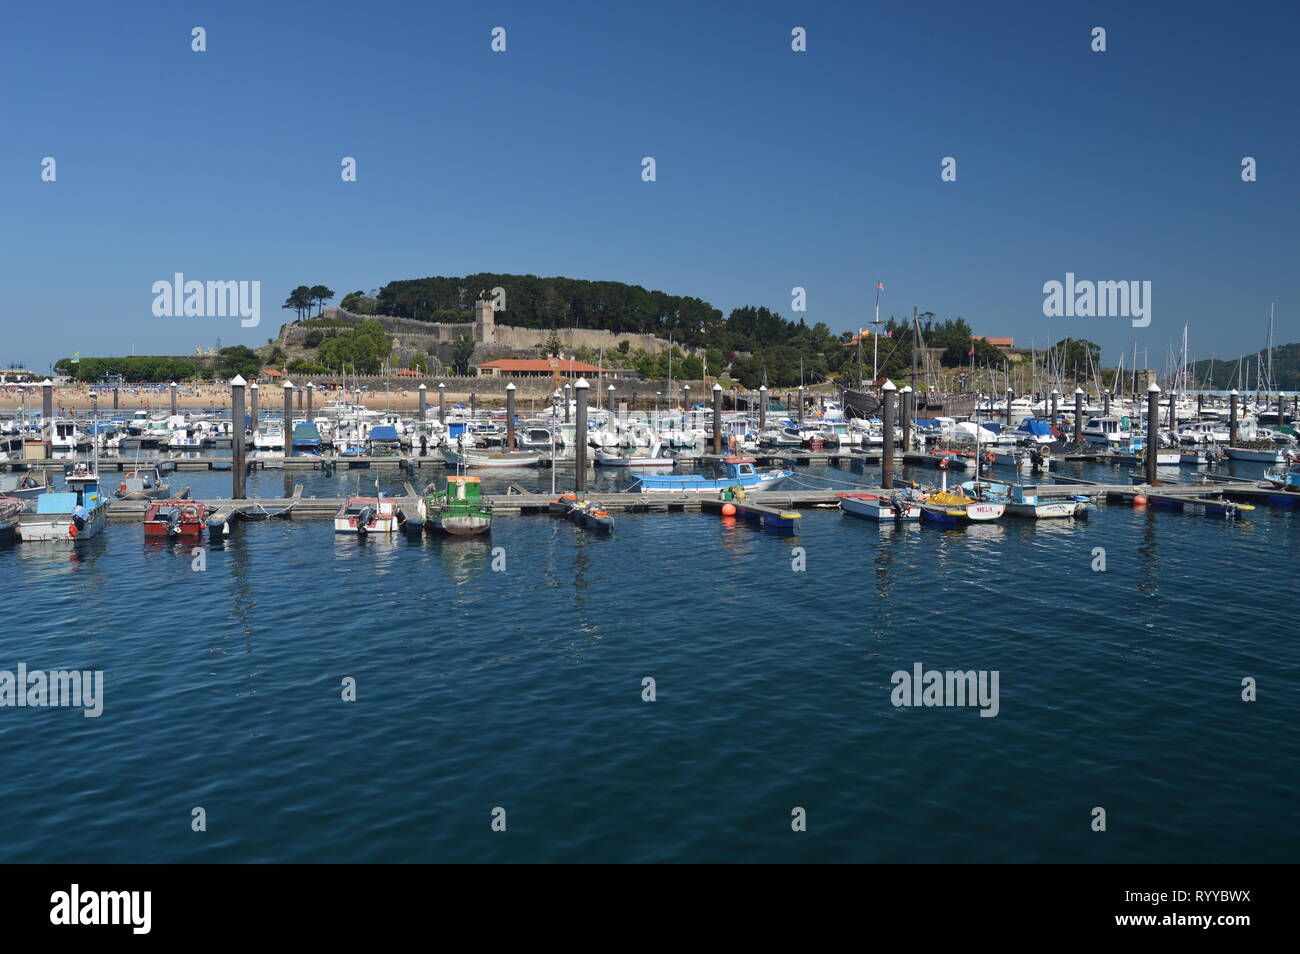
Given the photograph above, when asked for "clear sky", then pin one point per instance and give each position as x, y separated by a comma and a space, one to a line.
775, 168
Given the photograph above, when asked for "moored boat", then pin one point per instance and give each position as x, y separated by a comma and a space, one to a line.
591, 515
736, 472
458, 509
143, 483
10, 509
175, 518
883, 507
78, 514
946, 507
1283, 477
366, 515
1023, 500
480, 459
22, 486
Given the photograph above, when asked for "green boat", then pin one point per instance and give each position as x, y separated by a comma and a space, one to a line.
458, 510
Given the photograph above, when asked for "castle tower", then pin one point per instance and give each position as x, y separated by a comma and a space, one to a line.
485, 322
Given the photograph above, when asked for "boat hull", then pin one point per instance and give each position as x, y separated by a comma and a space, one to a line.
462, 526
57, 527
871, 507
1053, 510
659, 483
478, 461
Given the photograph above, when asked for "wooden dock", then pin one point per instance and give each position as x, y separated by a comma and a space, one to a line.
322, 508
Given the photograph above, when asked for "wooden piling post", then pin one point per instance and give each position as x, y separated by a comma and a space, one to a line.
173, 399
424, 397
1078, 415
238, 473
442, 404
47, 405
887, 445
510, 415
762, 409
580, 438
1153, 429
1232, 418
288, 419
311, 399
254, 391
717, 418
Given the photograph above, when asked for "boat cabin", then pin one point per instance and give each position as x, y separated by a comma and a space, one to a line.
738, 467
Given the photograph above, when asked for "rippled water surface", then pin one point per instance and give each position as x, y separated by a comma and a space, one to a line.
522, 689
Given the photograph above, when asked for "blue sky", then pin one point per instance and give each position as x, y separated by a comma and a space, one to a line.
775, 168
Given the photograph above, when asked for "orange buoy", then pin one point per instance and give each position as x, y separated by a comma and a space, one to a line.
1139, 500
728, 510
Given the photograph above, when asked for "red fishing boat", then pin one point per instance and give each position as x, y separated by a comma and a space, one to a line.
174, 518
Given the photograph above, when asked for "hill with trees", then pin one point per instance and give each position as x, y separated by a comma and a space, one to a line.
1222, 375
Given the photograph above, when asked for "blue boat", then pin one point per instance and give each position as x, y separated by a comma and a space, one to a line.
1283, 477
736, 472
1035, 429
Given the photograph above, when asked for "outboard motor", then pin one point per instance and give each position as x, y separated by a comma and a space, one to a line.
173, 522
363, 520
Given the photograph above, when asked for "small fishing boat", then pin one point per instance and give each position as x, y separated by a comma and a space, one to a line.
736, 472
1264, 455
659, 456
1198, 457
881, 507
65, 515
591, 515
22, 486
1023, 500
175, 518
481, 459
459, 509
1283, 477
10, 509
143, 483
946, 507
366, 515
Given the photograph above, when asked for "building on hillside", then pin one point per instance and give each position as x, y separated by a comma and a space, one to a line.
536, 368
1002, 344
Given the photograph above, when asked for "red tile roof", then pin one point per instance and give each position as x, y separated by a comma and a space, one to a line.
562, 365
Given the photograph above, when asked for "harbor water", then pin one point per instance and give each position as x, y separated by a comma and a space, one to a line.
508, 673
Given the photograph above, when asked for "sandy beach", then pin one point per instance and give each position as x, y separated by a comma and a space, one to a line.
76, 399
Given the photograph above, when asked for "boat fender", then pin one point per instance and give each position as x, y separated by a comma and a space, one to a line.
943, 464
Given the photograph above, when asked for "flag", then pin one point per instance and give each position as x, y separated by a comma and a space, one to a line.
880, 286
76, 357
971, 352
889, 334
